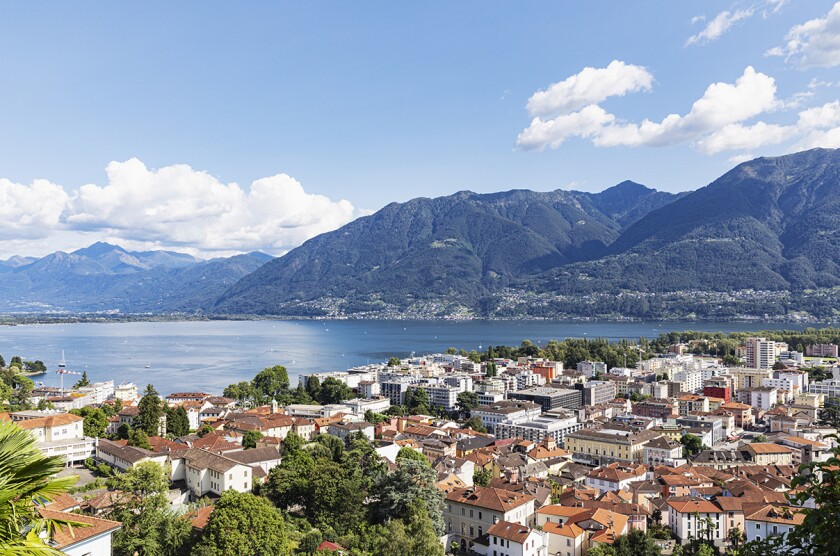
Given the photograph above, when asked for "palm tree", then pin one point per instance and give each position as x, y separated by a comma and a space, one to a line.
26, 477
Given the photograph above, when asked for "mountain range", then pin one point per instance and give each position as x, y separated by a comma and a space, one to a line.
761, 240
105, 277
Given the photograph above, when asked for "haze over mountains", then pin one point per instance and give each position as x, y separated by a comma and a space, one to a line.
105, 277
763, 238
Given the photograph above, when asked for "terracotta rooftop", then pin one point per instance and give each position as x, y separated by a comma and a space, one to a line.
199, 517
689, 504
57, 420
509, 531
490, 498
65, 536
768, 448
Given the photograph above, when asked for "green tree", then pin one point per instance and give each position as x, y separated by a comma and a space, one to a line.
139, 439
601, 550
19, 389
204, 430
830, 414
411, 482
249, 439
288, 484
818, 484
2, 362
333, 391
272, 382
467, 401
242, 392
636, 543
177, 421
760, 438
310, 542
149, 526
243, 523
123, 431
408, 453
82, 381
475, 424
374, 418
26, 475
736, 538
300, 395
394, 362
692, 444
37, 367
417, 401
333, 444
292, 443
490, 369
95, 421
482, 477
151, 410
111, 409
313, 387
335, 500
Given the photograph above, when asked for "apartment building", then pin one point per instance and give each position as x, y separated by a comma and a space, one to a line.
606, 446
506, 411
470, 512
206, 473
61, 435
555, 424
760, 353
597, 392
550, 398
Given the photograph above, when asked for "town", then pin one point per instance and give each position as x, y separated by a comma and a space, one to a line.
675, 450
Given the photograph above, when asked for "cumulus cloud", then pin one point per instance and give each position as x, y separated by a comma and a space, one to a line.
722, 104
172, 207
30, 211
815, 43
553, 132
589, 86
719, 25
723, 119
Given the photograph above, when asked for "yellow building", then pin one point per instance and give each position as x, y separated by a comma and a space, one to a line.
767, 453
606, 446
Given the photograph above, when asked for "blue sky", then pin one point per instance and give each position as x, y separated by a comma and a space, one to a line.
377, 102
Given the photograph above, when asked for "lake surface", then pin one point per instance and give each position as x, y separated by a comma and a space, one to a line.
207, 356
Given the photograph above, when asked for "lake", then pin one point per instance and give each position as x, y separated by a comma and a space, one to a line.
207, 356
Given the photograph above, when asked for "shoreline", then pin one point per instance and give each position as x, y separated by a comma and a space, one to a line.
17, 319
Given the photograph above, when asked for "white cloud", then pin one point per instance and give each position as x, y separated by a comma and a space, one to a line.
553, 132
813, 43
722, 104
719, 25
589, 86
738, 137
175, 207
723, 119
30, 211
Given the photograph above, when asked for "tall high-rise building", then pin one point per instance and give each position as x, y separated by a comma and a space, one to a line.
761, 353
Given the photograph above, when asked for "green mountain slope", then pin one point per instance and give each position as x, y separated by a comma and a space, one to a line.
464, 247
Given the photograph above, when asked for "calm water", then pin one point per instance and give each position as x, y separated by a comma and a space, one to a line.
210, 355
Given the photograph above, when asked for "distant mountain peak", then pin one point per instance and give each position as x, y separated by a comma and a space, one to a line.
97, 249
